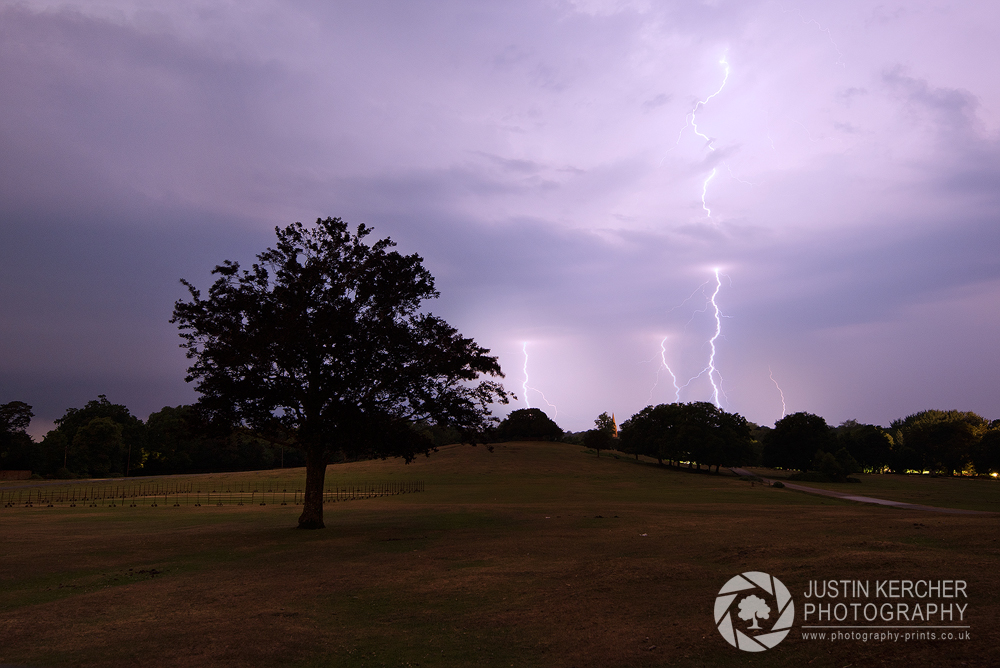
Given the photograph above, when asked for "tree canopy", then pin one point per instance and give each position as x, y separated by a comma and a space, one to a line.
99, 440
16, 447
528, 424
697, 432
941, 440
603, 435
870, 445
321, 342
795, 439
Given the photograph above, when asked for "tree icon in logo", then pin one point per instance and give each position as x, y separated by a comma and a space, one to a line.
751, 608
761, 594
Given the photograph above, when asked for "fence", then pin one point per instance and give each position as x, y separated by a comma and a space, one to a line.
178, 494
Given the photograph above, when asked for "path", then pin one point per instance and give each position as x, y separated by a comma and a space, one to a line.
861, 499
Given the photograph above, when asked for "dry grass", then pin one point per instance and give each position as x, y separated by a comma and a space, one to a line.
531, 555
967, 493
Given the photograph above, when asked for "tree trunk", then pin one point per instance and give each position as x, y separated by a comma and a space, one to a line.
312, 502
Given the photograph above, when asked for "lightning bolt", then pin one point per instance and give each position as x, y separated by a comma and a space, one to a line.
692, 115
746, 183
691, 120
829, 35
664, 365
704, 193
710, 370
526, 387
771, 374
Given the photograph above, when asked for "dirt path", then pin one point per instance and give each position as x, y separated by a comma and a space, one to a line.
861, 499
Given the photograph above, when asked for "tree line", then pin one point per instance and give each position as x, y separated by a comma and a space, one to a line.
696, 433
104, 439
935, 441
701, 434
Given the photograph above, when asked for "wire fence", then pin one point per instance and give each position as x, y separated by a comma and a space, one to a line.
180, 494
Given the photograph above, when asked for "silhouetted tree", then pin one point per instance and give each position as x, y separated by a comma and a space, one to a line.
102, 450
710, 435
836, 467
603, 435
176, 438
942, 440
606, 423
181, 440
99, 449
652, 432
321, 340
697, 432
528, 424
17, 450
793, 442
597, 439
986, 453
869, 444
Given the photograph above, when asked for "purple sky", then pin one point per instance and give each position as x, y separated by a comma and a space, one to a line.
543, 158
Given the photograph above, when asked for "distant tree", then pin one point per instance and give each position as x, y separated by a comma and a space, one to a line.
986, 453
322, 342
15, 416
597, 439
175, 440
606, 423
181, 440
54, 453
697, 432
99, 449
793, 442
17, 450
710, 435
603, 435
836, 467
652, 432
943, 440
438, 434
61, 449
528, 424
905, 459
869, 444
758, 436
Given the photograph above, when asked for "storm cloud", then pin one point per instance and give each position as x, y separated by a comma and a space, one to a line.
572, 173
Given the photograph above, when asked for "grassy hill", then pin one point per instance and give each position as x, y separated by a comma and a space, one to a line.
537, 554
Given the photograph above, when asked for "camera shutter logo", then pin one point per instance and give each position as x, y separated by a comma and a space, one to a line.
747, 597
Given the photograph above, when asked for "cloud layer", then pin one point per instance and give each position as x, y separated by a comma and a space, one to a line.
573, 172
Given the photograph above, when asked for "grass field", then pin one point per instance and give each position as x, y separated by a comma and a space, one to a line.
967, 493
533, 555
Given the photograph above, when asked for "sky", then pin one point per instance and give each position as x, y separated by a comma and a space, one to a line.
591, 182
